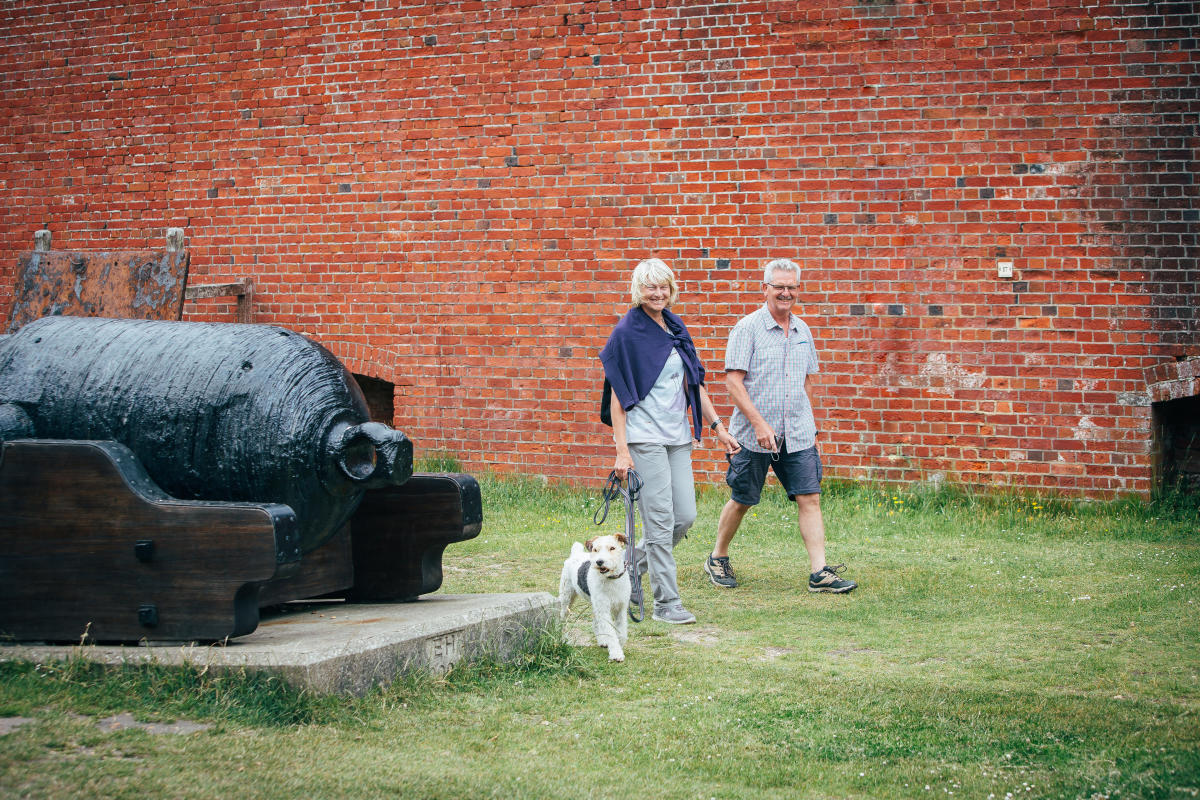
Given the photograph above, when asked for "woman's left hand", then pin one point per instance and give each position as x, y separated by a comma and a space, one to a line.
727, 441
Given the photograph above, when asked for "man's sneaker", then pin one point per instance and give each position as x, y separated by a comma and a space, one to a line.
827, 580
719, 571
676, 615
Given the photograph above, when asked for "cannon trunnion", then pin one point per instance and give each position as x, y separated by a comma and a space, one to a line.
165, 480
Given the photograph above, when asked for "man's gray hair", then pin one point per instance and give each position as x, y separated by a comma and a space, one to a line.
780, 265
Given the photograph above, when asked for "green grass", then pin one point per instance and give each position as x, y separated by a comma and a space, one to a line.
1003, 646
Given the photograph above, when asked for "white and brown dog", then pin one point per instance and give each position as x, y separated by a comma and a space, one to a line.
597, 571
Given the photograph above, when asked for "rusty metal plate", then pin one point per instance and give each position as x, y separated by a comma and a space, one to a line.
132, 284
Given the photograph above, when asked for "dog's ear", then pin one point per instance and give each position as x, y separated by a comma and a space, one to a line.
621, 538
588, 545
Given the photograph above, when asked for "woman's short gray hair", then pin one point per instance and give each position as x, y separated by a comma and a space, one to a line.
652, 272
780, 265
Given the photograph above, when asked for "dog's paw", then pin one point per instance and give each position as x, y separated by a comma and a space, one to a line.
616, 657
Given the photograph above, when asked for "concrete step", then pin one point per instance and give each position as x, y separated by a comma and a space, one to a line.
332, 646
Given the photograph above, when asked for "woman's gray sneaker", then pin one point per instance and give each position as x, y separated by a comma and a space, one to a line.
676, 615
720, 572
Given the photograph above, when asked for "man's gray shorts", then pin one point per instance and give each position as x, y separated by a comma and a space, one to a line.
798, 473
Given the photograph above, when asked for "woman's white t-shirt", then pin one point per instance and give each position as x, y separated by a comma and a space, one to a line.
661, 418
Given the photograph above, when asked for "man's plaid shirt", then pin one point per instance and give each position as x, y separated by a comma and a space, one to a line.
776, 367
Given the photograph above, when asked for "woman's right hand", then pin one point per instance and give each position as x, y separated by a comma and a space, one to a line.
623, 464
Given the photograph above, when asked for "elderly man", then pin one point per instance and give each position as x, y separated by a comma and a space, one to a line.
767, 363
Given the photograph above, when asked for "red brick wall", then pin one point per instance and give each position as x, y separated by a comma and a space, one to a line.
450, 195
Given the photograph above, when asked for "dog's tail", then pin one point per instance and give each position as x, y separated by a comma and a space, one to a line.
578, 549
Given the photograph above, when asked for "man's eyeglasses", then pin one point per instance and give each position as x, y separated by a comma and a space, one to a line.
782, 287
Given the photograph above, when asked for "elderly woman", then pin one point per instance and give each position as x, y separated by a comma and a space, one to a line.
652, 368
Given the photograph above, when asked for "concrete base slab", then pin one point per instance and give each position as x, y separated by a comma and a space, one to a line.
345, 647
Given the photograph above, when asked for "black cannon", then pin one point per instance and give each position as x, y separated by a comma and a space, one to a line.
165, 480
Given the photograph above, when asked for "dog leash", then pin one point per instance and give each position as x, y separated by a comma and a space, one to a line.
613, 489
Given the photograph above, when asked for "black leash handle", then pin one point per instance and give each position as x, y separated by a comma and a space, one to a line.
612, 490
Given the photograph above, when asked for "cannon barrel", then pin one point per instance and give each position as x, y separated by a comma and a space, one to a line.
225, 412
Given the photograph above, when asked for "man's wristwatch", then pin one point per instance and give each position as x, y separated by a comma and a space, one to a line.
714, 424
